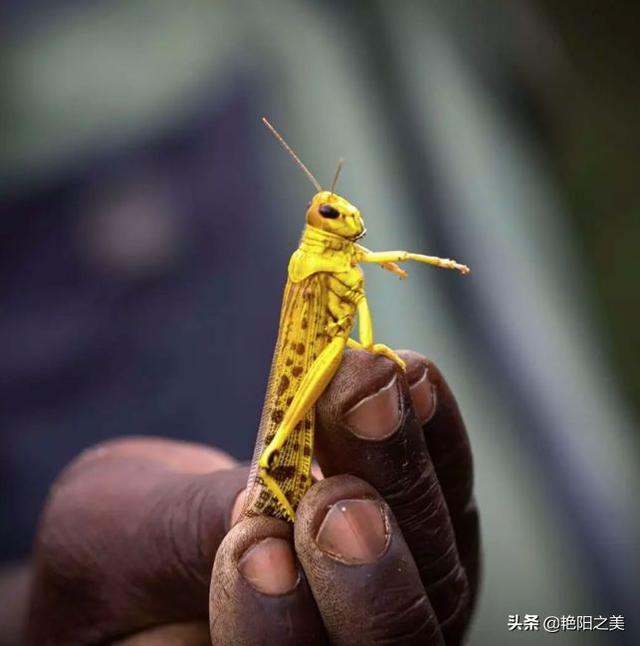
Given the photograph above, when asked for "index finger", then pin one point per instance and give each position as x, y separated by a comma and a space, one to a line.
367, 427
362, 574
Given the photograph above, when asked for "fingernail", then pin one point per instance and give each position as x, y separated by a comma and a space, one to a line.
354, 531
270, 566
377, 416
316, 471
423, 397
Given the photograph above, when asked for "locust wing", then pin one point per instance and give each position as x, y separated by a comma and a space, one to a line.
301, 338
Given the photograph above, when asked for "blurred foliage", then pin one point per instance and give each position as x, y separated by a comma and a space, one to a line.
597, 139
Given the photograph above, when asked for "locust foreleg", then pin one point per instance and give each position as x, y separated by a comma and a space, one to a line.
365, 332
385, 257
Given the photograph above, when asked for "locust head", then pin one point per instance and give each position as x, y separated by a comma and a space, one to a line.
327, 211
331, 212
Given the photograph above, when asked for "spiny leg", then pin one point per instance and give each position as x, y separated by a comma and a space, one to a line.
277, 492
312, 386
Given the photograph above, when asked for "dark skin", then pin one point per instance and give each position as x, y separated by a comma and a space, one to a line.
141, 540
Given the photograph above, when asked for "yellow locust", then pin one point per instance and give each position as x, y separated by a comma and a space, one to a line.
324, 291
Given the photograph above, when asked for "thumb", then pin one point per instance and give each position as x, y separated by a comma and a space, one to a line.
127, 542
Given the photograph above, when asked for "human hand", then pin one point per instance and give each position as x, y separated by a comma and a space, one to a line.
388, 554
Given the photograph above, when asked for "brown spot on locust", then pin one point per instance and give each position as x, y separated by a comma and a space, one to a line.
298, 426
304, 324
277, 416
283, 472
296, 446
307, 424
300, 348
306, 451
283, 385
297, 371
289, 361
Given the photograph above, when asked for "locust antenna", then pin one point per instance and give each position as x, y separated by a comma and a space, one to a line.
335, 177
297, 159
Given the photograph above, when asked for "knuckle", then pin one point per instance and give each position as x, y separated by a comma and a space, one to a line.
404, 617
189, 530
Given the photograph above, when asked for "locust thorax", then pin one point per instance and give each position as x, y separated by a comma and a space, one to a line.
330, 212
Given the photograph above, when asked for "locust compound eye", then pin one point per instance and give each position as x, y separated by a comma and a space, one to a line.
327, 211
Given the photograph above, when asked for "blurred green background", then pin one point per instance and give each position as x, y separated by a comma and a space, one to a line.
594, 141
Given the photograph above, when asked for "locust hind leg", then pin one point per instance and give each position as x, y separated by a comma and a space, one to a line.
278, 494
311, 387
